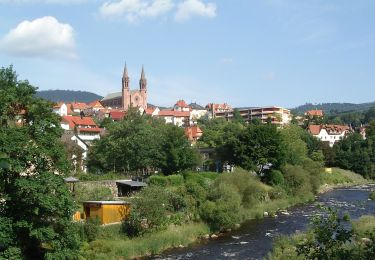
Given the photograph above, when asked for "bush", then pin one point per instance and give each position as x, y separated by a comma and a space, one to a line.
158, 180
372, 195
275, 178
277, 193
198, 178
170, 180
222, 208
91, 229
149, 211
84, 192
297, 180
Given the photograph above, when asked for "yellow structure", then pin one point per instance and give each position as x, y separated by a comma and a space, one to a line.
107, 211
328, 170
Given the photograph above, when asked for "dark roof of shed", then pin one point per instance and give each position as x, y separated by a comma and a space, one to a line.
71, 179
132, 183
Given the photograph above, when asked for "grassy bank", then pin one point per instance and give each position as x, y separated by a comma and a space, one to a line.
285, 247
339, 178
207, 203
112, 244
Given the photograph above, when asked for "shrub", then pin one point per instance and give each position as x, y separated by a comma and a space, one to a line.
175, 180
297, 180
277, 193
158, 180
222, 208
149, 211
91, 229
372, 195
170, 180
84, 192
275, 178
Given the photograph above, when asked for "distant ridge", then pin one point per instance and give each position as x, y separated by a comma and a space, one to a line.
334, 108
68, 96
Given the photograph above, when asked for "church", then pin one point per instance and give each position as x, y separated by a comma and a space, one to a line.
128, 98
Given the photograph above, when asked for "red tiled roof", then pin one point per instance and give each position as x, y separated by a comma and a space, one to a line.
77, 121
193, 132
93, 129
116, 115
314, 112
150, 110
181, 103
215, 107
314, 129
331, 129
79, 105
174, 113
95, 104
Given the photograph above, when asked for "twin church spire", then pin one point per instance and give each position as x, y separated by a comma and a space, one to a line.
134, 98
126, 79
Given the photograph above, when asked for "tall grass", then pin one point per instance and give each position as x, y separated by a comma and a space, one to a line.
364, 224
118, 247
340, 176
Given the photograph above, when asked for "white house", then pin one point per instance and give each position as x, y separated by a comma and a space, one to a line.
61, 109
329, 133
178, 118
197, 112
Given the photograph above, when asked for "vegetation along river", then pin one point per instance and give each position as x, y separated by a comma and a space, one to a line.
254, 239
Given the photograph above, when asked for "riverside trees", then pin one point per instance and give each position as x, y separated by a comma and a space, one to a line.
138, 143
36, 207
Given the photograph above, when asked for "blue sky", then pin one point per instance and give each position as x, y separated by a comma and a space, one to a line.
243, 52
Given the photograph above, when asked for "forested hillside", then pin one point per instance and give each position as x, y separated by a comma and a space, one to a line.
68, 95
333, 108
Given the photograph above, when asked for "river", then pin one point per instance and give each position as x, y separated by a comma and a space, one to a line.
253, 240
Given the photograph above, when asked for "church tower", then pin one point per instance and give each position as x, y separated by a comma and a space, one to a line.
134, 98
143, 88
125, 88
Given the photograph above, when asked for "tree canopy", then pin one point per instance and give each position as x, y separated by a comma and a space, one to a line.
36, 206
139, 143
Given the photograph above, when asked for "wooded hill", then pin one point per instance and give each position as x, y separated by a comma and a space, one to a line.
334, 108
68, 96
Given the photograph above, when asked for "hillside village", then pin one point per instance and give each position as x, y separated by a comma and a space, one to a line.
83, 122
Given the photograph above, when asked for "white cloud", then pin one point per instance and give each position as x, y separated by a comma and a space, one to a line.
190, 8
42, 37
133, 10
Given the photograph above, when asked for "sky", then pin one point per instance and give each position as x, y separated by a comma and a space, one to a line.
243, 52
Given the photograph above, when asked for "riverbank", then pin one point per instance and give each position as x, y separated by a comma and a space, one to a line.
357, 246
113, 244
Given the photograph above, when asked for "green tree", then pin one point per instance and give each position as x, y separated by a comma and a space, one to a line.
237, 116
37, 207
139, 143
369, 115
329, 239
294, 147
176, 153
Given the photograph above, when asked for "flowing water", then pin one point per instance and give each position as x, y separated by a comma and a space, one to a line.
254, 239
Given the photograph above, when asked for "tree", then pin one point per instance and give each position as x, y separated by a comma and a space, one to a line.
295, 148
237, 116
369, 115
252, 147
139, 143
37, 207
176, 151
329, 238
